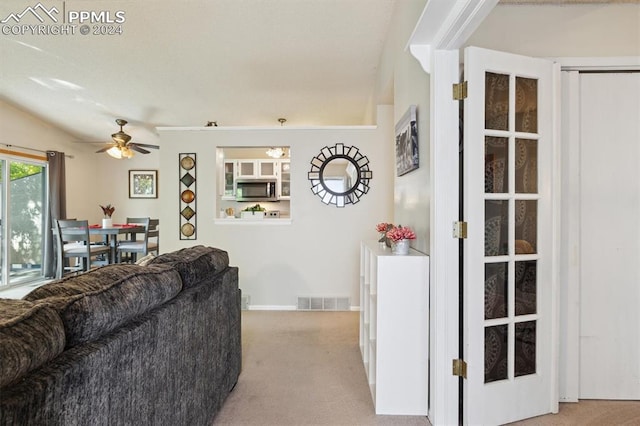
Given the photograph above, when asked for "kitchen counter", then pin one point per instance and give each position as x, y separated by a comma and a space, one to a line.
266, 221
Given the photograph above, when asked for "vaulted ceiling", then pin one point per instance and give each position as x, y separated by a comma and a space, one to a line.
183, 63
187, 62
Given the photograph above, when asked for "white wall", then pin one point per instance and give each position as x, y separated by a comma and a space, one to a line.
562, 31
401, 80
22, 129
318, 253
92, 179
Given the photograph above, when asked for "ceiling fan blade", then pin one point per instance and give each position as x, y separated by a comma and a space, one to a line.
145, 145
135, 147
106, 148
87, 142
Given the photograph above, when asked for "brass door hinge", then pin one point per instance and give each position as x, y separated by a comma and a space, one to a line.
460, 230
460, 91
460, 368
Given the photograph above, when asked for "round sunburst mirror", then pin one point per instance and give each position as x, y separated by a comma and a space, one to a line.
340, 175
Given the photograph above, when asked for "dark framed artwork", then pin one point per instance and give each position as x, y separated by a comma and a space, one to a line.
407, 158
143, 184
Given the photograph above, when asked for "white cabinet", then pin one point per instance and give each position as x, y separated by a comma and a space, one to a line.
229, 180
394, 328
247, 168
284, 180
267, 168
257, 168
274, 170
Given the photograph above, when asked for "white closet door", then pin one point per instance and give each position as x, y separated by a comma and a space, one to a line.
610, 236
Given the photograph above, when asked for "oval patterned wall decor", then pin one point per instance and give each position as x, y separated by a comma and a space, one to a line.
188, 196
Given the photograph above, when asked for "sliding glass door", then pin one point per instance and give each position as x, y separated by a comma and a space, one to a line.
23, 204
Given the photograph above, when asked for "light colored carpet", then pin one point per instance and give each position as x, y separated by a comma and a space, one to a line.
590, 413
303, 368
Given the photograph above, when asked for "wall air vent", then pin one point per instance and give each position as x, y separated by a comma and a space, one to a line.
307, 303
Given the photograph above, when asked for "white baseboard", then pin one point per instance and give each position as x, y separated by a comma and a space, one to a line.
285, 308
271, 307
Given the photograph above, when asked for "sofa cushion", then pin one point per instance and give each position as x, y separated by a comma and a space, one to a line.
99, 301
30, 335
195, 263
144, 261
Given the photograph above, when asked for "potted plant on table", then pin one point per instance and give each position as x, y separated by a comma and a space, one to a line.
400, 237
107, 211
383, 228
253, 212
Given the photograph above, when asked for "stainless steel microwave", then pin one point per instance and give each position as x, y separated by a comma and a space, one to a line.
256, 190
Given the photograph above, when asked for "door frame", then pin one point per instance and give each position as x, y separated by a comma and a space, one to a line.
442, 29
570, 259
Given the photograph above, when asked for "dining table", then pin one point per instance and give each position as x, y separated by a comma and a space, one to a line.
110, 235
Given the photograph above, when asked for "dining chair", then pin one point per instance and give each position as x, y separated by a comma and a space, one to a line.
154, 233
128, 250
73, 241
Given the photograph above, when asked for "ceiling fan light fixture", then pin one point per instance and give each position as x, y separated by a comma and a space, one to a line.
119, 152
122, 147
126, 152
115, 152
275, 152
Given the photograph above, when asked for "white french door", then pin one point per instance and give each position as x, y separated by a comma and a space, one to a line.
509, 322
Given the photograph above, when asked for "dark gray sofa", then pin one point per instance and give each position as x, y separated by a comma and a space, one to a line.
124, 344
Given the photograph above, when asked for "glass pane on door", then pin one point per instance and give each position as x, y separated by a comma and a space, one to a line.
496, 341
496, 164
496, 113
526, 219
510, 222
526, 105
525, 348
526, 166
22, 227
496, 290
526, 287
496, 227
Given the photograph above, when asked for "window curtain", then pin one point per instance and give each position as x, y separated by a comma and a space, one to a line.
57, 208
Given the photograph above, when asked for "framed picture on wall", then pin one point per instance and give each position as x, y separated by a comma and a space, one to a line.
143, 184
407, 158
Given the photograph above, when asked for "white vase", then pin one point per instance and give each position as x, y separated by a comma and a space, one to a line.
107, 223
401, 247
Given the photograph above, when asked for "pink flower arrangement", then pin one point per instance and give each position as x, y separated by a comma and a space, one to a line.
384, 227
400, 232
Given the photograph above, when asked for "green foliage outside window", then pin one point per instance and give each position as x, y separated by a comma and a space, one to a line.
21, 170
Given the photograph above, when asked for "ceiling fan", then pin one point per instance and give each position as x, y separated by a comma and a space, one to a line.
122, 147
